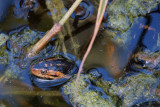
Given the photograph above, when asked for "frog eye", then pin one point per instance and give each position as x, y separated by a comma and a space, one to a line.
44, 71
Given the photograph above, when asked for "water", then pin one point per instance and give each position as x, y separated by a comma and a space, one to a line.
110, 54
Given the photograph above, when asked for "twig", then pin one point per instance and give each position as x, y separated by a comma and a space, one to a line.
54, 30
98, 22
69, 12
43, 41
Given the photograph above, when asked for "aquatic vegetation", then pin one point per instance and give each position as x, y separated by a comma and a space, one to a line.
8, 74
119, 22
23, 39
87, 94
100, 14
130, 90
136, 89
122, 12
3, 57
140, 7
57, 27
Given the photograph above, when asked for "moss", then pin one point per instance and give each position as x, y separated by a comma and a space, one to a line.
19, 41
87, 95
132, 89
9, 74
126, 91
119, 21
3, 55
122, 12
140, 7
104, 85
135, 89
26, 37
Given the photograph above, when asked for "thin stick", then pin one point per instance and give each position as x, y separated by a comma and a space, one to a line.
69, 12
98, 22
43, 41
54, 30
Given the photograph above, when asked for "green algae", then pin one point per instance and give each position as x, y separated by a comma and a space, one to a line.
140, 7
122, 12
85, 96
8, 75
133, 89
119, 22
126, 91
124, 38
11, 72
3, 55
24, 39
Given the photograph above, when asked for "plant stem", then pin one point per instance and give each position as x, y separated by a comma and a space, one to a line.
101, 10
53, 31
69, 12
43, 41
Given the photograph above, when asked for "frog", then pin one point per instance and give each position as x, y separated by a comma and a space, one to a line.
53, 68
152, 58
53, 71
147, 62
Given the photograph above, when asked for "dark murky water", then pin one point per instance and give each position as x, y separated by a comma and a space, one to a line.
110, 54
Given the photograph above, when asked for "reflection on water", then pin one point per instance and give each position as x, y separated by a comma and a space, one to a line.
114, 54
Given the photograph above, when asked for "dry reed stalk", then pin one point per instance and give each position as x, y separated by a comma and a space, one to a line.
54, 30
100, 15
